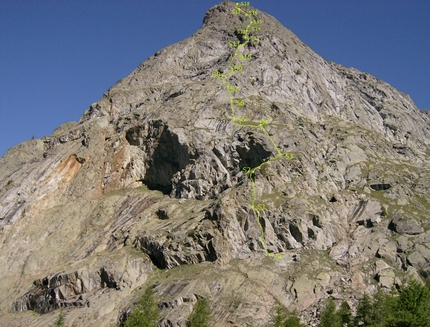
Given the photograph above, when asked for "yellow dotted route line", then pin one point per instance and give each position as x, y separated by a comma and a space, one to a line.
241, 120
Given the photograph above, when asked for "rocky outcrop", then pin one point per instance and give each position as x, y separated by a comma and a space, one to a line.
403, 224
153, 186
52, 292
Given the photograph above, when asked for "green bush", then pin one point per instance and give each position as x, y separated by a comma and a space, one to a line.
61, 320
409, 307
345, 313
412, 307
201, 314
285, 318
293, 321
147, 312
330, 317
365, 312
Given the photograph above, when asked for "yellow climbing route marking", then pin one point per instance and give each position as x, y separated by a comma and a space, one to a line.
241, 120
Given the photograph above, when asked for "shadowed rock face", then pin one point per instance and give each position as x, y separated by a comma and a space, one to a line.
148, 188
166, 154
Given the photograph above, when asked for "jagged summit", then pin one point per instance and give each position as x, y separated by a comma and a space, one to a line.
219, 18
195, 57
211, 155
311, 86
219, 13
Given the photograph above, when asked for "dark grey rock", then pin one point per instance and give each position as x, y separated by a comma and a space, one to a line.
404, 224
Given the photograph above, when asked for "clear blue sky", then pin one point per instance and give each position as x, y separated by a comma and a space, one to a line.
58, 56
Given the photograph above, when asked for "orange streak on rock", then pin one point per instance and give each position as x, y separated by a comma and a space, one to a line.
68, 169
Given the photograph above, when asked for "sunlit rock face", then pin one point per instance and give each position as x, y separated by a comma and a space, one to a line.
150, 188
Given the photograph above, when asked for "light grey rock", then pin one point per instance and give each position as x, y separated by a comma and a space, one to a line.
417, 260
424, 238
368, 213
381, 265
304, 291
388, 252
150, 185
323, 278
339, 250
403, 244
386, 278
424, 251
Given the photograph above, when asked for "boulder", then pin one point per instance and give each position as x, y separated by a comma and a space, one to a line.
386, 278
403, 224
417, 260
388, 252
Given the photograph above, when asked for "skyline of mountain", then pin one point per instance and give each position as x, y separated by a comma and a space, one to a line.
57, 58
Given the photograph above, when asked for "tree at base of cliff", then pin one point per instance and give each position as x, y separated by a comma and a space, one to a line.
61, 320
412, 306
409, 307
284, 318
201, 314
330, 317
147, 313
345, 314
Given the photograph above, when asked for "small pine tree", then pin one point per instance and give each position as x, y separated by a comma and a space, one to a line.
329, 317
383, 308
201, 314
345, 314
147, 313
413, 296
364, 315
284, 318
61, 320
293, 321
279, 317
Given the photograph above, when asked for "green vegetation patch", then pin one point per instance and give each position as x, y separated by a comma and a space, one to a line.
201, 315
146, 313
407, 307
284, 318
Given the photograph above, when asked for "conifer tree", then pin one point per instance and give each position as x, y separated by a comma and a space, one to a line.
61, 320
147, 313
292, 321
201, 314
329, 317
284, 318
345, 314
413, 306
364, 315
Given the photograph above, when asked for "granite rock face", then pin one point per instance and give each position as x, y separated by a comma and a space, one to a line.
149, 188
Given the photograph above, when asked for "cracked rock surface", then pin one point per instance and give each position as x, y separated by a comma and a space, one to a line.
148, 188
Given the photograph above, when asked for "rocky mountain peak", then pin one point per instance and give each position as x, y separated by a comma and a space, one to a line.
219, 13
235, 165
220, 18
